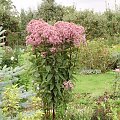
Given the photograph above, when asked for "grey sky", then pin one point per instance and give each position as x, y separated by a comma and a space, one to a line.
97, 5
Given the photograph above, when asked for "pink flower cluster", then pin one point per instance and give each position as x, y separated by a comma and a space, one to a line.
70, 32
53, 49
68, 85
41, 32
43, 54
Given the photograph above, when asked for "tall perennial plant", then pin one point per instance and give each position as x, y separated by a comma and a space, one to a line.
55, 49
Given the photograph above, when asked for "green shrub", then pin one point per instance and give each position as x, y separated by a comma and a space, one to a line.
106, 108
37, 115
10, 101
26, 79
33, 110
115, 56
9, 58
96, 55
14, 39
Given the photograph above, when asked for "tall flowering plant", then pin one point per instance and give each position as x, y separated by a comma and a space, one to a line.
55, 49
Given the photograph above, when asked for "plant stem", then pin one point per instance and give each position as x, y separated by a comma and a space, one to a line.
53, 111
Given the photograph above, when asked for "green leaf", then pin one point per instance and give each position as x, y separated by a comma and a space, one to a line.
49, 77
61, 76
70, 72
57, 78
48, 68
49, 99
42, 63
51, 86
55, 93
59, 91
44, 76
58, 87
59, 60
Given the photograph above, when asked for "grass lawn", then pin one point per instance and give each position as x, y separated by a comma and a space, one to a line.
95, 84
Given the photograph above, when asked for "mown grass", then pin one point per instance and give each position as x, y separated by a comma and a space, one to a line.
95, 84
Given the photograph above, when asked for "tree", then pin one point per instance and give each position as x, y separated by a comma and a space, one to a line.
49, 11
8, 15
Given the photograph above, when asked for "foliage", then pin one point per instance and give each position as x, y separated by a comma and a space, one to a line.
106, 108
33, 110
37, 115
6, 4
8, 52
74, 112
20, 105
9, 76
10, 101
116, 84
9, 95
98, 25
49, 11
8, 15
14, 39
96, 55
26, 79
9, 59
15, 99
25, 16
95, 89
115, 56
9, 18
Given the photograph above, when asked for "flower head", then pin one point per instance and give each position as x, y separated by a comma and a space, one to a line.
70, 32
36, 26
12, 58
51, 35
43, 54
53, 49
61, 32
68, 85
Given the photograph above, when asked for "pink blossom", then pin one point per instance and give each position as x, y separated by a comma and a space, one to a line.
34, 39
68, 85
35, 26
69, 32
51, 35
53, 49
43, 54
41, 32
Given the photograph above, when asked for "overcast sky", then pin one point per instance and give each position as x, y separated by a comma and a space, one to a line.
96, 5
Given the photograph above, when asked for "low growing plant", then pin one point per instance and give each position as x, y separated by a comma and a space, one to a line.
10, 101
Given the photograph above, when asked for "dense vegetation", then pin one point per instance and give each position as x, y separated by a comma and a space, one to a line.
59, 80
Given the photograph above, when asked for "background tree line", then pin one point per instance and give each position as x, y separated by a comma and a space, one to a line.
98, 25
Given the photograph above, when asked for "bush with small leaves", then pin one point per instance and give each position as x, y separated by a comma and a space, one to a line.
10, 101
96, 55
